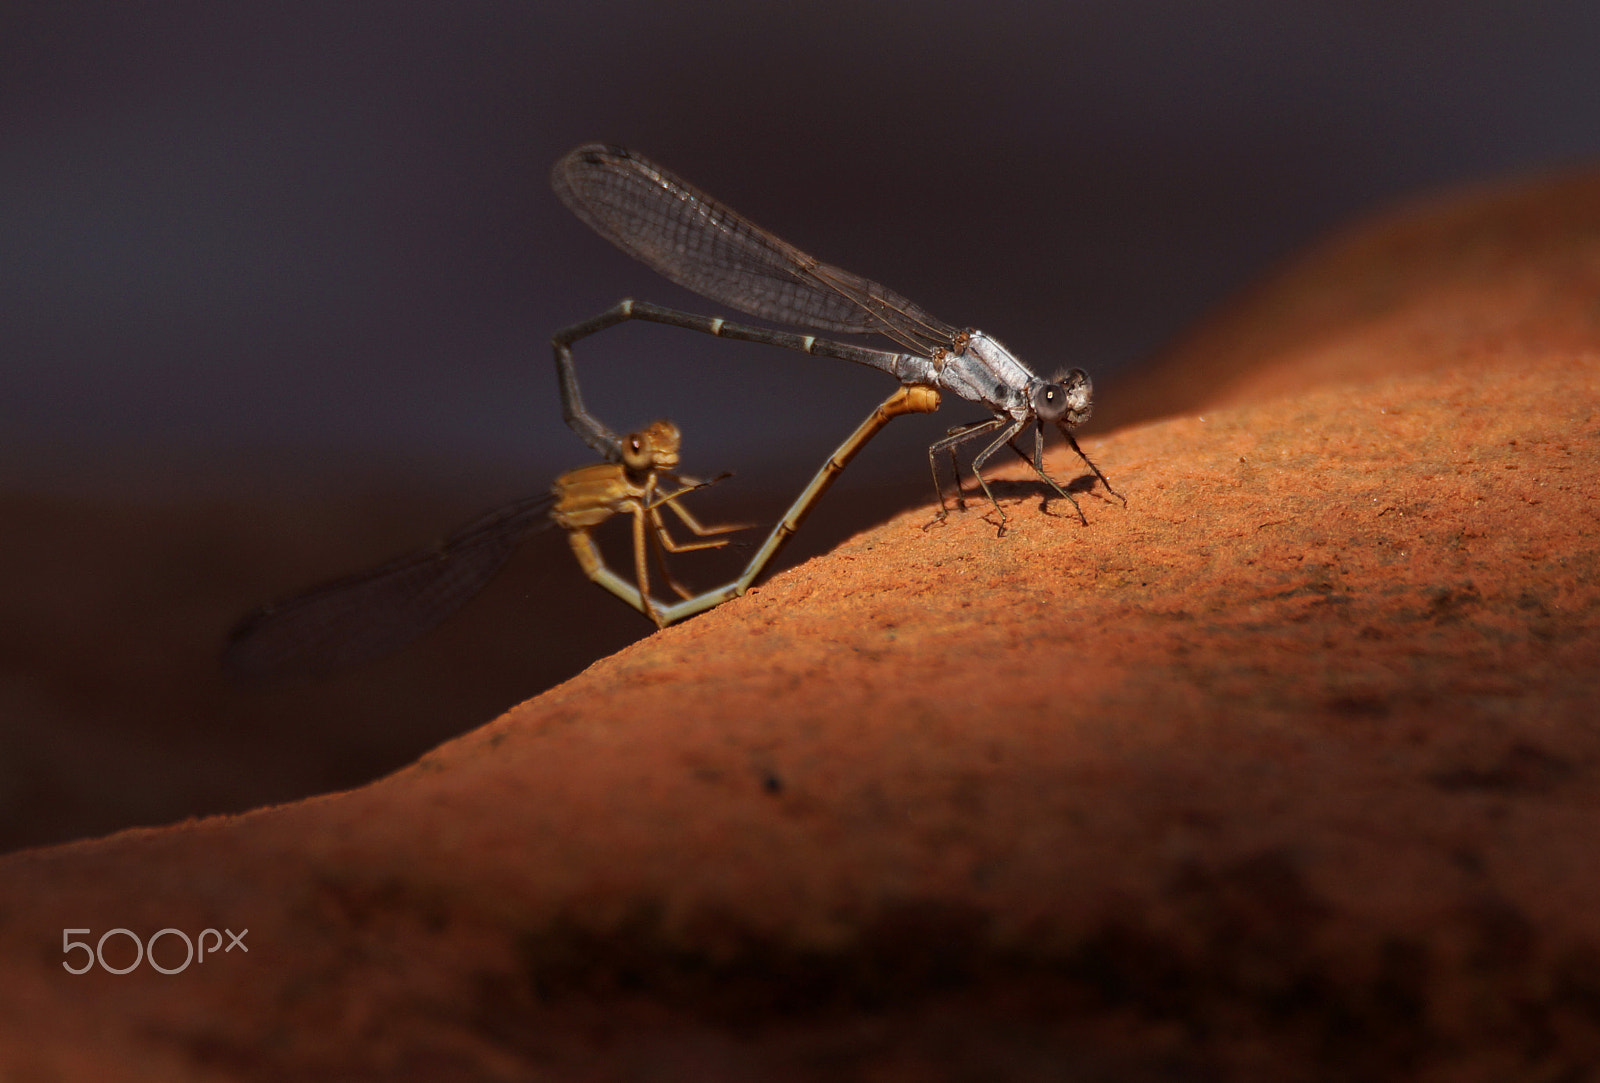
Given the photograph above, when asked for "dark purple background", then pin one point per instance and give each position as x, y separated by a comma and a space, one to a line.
314, 242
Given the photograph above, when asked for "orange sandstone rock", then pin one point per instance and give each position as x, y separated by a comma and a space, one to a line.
1287, 769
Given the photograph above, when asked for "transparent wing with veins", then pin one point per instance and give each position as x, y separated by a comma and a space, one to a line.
690, 238
368, 615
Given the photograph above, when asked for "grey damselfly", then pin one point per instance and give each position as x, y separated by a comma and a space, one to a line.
706, 246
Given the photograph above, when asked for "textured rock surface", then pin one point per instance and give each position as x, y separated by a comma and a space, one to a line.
1287, 769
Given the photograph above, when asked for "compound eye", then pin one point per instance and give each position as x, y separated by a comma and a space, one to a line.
1050, 402
636, 451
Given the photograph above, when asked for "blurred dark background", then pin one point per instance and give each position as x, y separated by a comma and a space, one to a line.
277, 282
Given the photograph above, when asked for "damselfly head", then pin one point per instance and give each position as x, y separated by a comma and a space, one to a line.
1065, 398
656, 448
